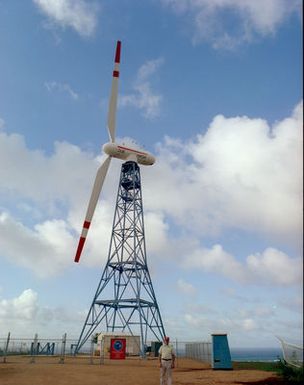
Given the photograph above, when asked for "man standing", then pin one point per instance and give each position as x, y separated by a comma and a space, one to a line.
166, 362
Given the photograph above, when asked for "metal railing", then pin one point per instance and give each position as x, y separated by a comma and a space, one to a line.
62, 349
200, 351
56, 348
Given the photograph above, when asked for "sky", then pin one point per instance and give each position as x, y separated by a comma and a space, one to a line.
213, 88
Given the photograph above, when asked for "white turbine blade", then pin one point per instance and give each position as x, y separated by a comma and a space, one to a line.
114, 94
100, 177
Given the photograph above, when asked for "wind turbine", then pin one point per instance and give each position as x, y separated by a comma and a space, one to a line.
113, 150
125, 300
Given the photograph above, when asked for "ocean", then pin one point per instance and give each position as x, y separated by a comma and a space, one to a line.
256, 354
237, 354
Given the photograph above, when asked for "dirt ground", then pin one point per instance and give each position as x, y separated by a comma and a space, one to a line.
20, 371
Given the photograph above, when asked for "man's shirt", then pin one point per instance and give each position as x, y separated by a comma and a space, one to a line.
166, 352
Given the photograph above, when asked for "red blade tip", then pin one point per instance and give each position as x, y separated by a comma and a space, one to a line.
117, 54
79, 249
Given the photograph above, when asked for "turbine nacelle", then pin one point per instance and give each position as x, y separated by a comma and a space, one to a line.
126, 153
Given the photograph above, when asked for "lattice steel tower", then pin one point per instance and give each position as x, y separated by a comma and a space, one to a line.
125, 300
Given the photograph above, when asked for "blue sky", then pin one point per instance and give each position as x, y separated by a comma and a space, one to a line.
214, 90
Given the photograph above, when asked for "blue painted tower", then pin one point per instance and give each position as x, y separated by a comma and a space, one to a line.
125, 301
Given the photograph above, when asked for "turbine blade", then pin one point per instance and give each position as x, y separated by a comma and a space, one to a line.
114, 93
100, 177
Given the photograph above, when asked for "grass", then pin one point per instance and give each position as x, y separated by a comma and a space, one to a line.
290, 374
257, 365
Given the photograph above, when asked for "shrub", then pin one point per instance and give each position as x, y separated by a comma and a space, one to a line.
291, 374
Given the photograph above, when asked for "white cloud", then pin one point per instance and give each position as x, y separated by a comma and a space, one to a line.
215, 260
2, 124
272, 267
157, 236
61, 87
186, 287
240, 174
52, 193
149, 68
25, 316
24, 307
294, 304
77, 14
212, 19
221, 324
242, 319
23, 171
249, 324
45, 250
144, 98
192, 320
275, 266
